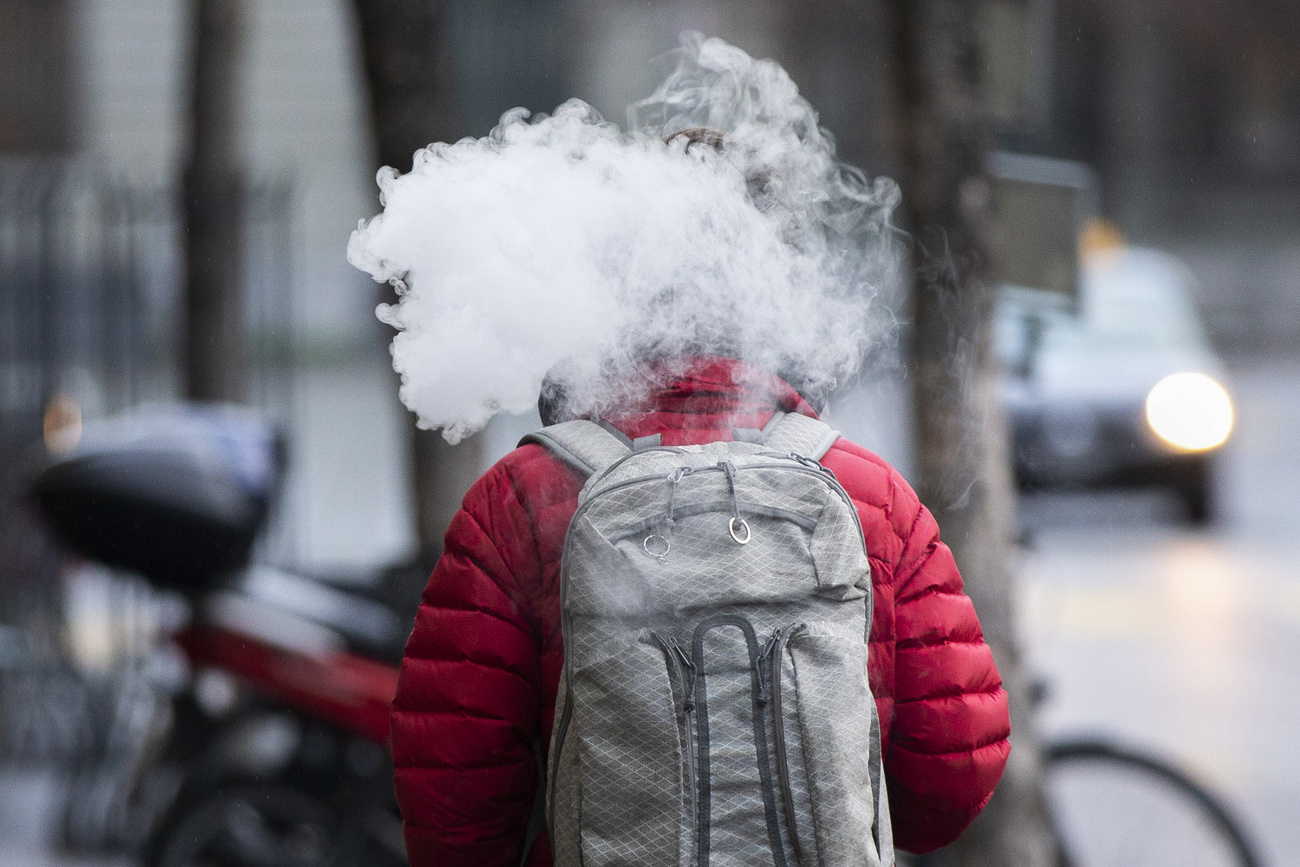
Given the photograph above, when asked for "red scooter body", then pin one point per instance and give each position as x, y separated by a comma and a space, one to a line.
179, 497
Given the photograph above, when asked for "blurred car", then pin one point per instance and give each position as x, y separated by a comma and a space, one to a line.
1124, 390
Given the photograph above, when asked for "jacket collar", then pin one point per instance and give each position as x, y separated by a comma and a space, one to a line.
709, 392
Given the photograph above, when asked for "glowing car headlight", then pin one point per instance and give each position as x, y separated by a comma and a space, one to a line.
1190, 411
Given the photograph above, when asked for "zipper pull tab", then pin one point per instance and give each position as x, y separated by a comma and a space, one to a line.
765, 669
673, 478
770, 646
811, 464
688, 676
681, 654
738, 527
807, 462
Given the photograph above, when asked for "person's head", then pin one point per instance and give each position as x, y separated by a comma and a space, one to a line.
720, 223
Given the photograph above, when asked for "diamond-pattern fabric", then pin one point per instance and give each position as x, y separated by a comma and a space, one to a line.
834, 723
737, 823
797, 433
627, 598
631, 774
798, 774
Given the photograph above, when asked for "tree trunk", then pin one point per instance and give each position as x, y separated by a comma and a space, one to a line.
409, 79
37, 111
215, 364
963, 473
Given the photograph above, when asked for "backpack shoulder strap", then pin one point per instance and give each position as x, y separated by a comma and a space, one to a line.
587, 446
794, 432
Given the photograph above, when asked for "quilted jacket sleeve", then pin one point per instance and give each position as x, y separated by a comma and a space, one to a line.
466, 712
948, 745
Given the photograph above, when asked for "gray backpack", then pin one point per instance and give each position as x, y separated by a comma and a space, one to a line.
714, 706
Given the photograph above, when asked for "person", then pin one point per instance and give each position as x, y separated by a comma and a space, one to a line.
476, 696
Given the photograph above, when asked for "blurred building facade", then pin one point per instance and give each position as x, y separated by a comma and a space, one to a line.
1190, 111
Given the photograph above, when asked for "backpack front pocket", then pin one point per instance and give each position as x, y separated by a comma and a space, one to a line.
631, 757
823, 712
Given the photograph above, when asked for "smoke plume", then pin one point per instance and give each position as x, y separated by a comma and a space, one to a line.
562, 244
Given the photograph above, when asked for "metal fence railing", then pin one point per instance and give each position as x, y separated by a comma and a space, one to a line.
90, 293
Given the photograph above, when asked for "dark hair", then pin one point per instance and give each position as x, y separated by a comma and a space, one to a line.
765, 189
552, 402
705, 135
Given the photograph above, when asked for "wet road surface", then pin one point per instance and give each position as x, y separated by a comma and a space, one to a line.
1185, 641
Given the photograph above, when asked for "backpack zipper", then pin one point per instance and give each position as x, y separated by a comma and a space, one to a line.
777, 644
683, 670
618, 463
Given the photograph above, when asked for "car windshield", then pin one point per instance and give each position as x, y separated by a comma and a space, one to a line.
1133, 298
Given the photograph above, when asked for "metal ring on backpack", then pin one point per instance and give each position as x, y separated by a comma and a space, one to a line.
731, 526
658, 555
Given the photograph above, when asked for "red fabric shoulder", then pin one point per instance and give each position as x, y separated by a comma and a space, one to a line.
948, 720
475, 689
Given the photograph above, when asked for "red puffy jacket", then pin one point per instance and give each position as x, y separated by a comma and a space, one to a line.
478, 682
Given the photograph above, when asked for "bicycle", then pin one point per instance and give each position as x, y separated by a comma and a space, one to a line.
1113, 805
1117, 805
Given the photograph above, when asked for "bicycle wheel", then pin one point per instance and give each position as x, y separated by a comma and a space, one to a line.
1113, 806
